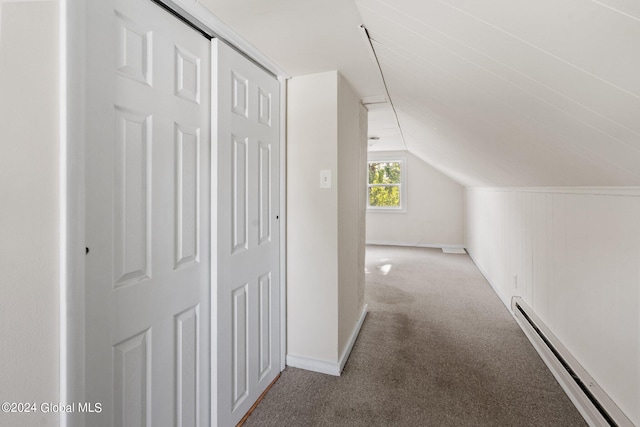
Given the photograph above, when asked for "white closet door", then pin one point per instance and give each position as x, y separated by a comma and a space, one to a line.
248, 289
148, 212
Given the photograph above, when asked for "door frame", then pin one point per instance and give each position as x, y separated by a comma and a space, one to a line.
71, 83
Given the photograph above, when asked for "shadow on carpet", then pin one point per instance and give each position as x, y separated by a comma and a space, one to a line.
438, 348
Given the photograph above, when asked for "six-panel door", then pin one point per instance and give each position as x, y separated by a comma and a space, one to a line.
248, 297
147, 295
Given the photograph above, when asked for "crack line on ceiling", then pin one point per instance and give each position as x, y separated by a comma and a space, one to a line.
539, 48
367, 39
507, 80
395, 49
621, 12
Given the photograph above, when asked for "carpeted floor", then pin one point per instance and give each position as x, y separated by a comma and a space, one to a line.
438, 348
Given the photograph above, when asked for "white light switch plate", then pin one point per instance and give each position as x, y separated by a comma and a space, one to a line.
325, 178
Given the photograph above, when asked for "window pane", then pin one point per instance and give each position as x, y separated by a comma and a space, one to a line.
384, 173
385, 196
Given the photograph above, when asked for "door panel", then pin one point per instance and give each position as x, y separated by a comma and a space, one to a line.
239, 350
132, 380
264, 192
148, 202
188, 367
248, 292
264, 325
240, 171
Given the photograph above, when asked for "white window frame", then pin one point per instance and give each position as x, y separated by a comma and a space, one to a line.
403, 185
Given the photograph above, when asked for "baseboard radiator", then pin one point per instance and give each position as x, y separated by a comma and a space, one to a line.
592, 402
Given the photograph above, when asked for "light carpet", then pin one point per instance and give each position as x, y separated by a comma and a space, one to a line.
438, 348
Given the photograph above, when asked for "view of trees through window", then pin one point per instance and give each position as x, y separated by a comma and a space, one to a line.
385, 179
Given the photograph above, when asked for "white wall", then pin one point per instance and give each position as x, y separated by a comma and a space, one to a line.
312, 221
576, 254
29, 254
352, 159
325, 259
435, 209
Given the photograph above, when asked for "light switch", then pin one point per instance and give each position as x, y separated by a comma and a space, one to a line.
325, 178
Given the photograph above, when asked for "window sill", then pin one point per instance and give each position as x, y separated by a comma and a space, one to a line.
387, 210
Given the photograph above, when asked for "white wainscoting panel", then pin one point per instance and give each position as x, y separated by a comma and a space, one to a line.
574, 257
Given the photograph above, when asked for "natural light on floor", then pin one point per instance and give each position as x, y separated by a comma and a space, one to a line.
383, 267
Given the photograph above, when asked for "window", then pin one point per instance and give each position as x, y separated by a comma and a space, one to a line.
386, 185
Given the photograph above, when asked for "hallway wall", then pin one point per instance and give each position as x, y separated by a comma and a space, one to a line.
326, 130
435, 209
352, 160
29, 220
574, 256
312, 268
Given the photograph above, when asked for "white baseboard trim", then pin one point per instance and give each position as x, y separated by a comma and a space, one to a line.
352, 339
577, 397
324, 366
456, 251
315, 365
413, 244
572, 382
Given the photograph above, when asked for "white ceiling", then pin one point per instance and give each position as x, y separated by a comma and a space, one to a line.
384, 134
498, 92
304, 36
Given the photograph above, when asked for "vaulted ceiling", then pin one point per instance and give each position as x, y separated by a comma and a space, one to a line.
497, 93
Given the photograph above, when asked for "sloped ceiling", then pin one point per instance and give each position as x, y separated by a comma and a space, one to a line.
384, 134
304, 36
498, 92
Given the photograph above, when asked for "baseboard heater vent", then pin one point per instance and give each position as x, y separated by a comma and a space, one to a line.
592, 402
